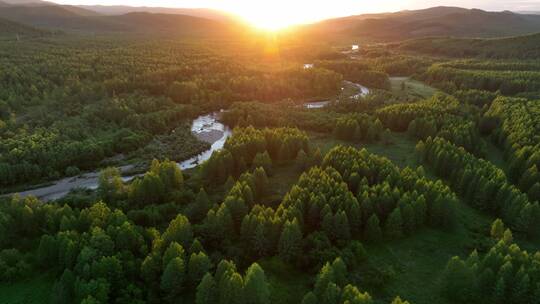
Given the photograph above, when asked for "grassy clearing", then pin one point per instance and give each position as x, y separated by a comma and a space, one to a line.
404, 87
287, 284
495, 155
418, 261
35, 290
281, 181
399, 147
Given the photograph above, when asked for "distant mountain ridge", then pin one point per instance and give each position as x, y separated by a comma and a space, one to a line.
436, 21
74, 18
123, 9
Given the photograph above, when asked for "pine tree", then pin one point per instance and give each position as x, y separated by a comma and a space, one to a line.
174, 250
332, 294
341, 226
522, 289
339, 270
458, 280
325, 277
393, 227
206, 291
497, 229
196, 246
261, 182
398, 300
486, 281
256, 288
259, 240
499, 292
172, 280
310, 298
534, 192
202, 205
352, 295
373, 229
224, 267
180, 231
290, 241
199, 264
232, 292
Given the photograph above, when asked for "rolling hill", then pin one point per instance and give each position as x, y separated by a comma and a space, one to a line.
171, 24
122, 10
57, 17
73, 18
520, 47
436, 21
13, 30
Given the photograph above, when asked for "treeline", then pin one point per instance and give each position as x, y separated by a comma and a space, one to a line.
480, 183
289, 114
519, 47
505, 274
517, 133
280, 114
441, 116
508, 82
361, 127
357, 72
332, 286
250, 147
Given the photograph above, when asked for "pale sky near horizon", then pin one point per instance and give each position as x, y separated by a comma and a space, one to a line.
276, 13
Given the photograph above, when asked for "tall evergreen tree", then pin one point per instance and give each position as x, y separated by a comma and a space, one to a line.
256, 288
206, 291
290, 241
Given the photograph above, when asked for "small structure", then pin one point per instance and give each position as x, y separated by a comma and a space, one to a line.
308, 66
355, 47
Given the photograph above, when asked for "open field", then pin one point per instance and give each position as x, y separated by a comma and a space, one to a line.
405, 87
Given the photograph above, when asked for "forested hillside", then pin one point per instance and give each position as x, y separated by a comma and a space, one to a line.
13, 30
522, 47
436, 21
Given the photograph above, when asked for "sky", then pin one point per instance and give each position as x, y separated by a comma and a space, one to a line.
278, 13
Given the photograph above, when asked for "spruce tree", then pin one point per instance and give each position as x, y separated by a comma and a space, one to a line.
290, 241
174, 250
256, 288
261, 182
497, 229
206, 291
373, 229
173, 278
393, 226
199, 264
458, 280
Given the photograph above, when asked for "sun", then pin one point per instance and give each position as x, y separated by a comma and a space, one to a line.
274, 15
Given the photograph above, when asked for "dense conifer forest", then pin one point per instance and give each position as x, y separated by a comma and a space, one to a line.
257, 168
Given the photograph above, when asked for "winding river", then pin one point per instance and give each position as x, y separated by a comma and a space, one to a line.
361, 90
206, 128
